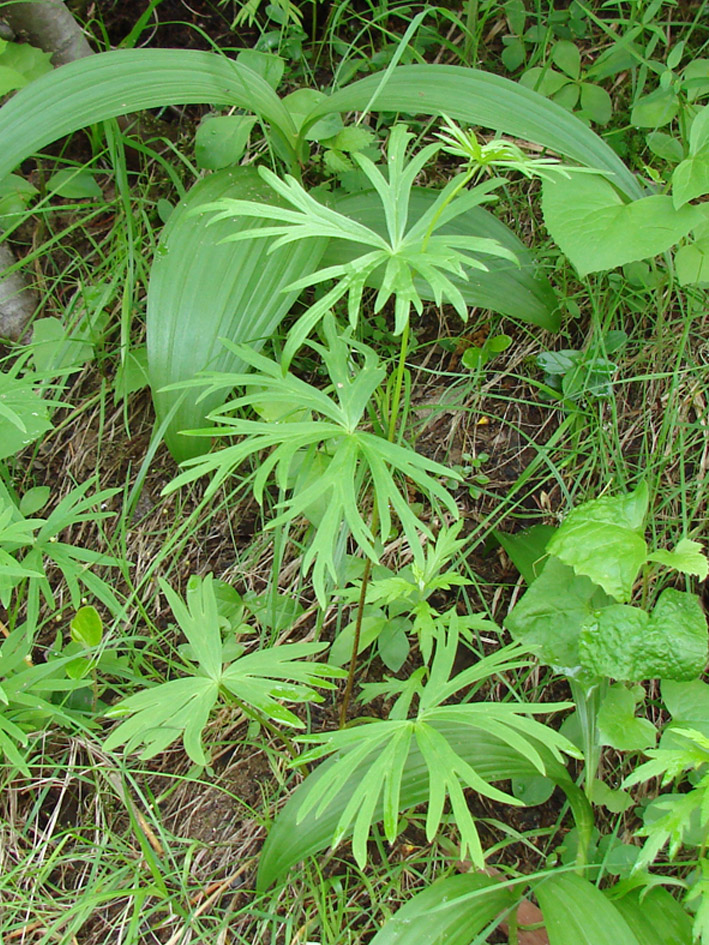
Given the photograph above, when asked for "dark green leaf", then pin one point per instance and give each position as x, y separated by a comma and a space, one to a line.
575, 911
452, 911
549, 616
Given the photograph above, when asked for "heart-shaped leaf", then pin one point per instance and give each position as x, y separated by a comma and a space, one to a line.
598, 230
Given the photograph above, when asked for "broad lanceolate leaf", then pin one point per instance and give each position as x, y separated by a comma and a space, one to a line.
128, 80
627, 643
291, 840
513, 290
598, 229
656, 917
475, 97
577, 911
387, 766
202, 290
452, 911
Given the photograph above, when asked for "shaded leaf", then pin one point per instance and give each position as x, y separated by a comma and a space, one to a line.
453, 911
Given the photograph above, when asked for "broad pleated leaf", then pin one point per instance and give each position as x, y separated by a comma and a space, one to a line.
128, 80
481, 98
288, 841
450, 912
657, 918
512, 290
202, 290
576, 911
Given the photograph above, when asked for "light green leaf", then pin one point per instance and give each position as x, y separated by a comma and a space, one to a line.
221, 140
475, 97
688, 704
690, 179
609, 555
665, 146
655, 110
54, 348
34, 499
598, 230
596, 103
616, 801
687, 557
656, 917
301, 103
699, 131
692, 263
567, 57
74, 184
87, 626
128, 80
518, 291
202, 289
132, 374
617, 723
291, 838
546, 81
26, 59
453, 911
15, 195
577, 911
602, 539
267, 65
527, 549
24, 416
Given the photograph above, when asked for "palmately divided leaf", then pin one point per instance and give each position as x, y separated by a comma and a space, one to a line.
161, 714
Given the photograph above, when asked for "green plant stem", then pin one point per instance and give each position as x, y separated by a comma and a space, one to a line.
345, 704
587, 699
374, 524
257, 716
398, 385
453, 194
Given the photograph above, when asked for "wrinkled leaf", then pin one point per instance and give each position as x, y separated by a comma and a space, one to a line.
626, 643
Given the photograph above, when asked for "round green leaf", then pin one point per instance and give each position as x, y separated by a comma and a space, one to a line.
87, 626
654, 110
596, 103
